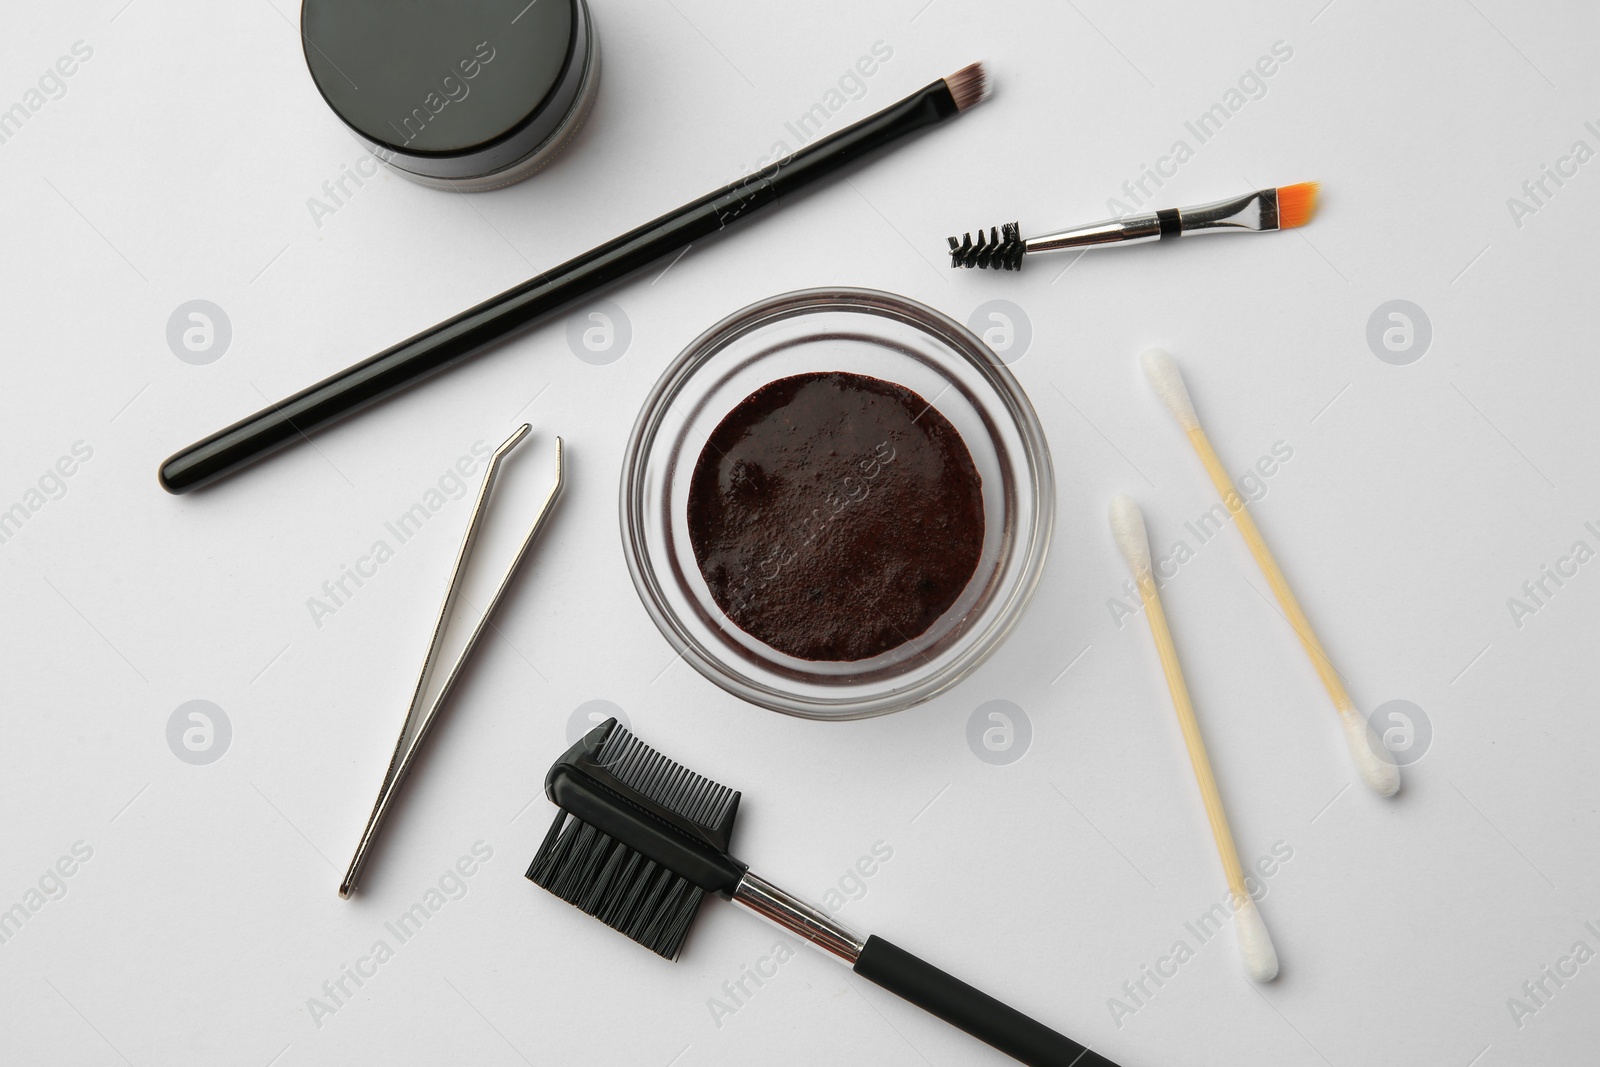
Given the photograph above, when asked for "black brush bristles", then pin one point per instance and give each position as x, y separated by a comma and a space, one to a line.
620, 887
639, 839
1002, 248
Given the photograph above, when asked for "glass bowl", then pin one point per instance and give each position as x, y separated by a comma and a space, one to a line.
861, 331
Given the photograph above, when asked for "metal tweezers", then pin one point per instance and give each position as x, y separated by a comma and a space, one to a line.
418, 720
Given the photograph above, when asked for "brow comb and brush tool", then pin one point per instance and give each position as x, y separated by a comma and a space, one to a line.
537, 299
1004, 247
419, 718
641, 839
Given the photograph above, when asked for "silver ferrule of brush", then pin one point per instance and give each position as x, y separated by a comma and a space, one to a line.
796, 916
1253, 211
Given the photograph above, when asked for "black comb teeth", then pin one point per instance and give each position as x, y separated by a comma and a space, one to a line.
668, 783
663, 842
1002, 248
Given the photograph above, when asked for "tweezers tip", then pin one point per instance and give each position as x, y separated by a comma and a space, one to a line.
514, 440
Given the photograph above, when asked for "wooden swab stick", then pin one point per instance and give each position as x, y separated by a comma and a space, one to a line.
1260, 958
1372, 759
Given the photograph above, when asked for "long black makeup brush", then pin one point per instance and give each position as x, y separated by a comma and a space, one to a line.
640, 840
496, 319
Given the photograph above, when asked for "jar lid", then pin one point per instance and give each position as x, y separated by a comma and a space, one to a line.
453, 91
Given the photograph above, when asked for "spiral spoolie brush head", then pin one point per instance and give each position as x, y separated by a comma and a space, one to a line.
639, 839
1001, 248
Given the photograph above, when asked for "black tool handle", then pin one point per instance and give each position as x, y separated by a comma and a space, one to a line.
979, 1014
493, 321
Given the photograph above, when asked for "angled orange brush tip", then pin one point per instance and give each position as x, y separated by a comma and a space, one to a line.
1296, 204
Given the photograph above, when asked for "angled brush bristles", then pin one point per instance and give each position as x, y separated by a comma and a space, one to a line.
668, 783
1297, 203
968, 86
616, 885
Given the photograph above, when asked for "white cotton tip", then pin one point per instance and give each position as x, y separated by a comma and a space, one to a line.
1164, 374
1127, 526
1255, 944
1373, 760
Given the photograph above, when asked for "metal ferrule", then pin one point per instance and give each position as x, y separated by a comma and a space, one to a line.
798, 917
1253, 211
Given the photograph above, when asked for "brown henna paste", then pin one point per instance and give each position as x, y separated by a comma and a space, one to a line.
835, 516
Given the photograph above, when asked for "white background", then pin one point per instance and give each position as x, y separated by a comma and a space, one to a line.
179, 164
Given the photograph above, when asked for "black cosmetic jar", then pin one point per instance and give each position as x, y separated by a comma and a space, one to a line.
455, 94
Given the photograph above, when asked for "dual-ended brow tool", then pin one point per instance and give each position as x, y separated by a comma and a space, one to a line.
499, 317
640, 840
1004, 247
419, 719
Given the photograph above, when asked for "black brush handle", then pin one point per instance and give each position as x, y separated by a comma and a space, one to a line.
974, 1011
493, 321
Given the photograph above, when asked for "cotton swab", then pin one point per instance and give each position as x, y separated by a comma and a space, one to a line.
1372, 759
1255, 945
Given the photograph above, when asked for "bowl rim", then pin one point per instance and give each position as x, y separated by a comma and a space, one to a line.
1034, 542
